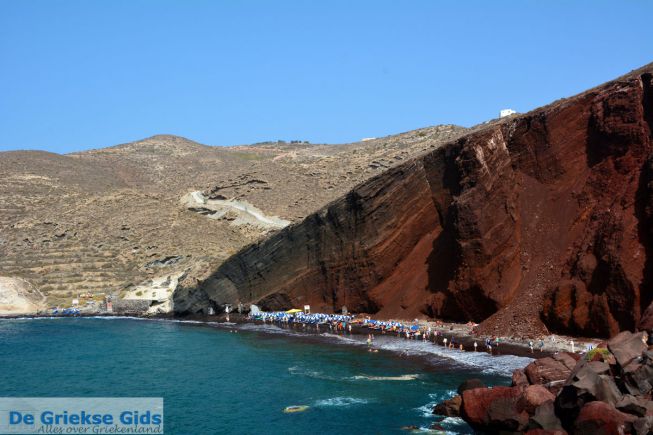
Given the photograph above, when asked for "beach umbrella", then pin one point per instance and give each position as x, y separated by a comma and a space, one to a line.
414, 327
293, 311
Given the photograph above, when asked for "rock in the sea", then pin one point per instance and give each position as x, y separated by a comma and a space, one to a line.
592, 400
494, 409
449, 407
603, 418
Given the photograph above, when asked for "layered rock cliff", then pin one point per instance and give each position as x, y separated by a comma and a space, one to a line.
537, 221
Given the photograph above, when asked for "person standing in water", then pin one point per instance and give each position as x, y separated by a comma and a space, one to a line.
475, 345
444, 342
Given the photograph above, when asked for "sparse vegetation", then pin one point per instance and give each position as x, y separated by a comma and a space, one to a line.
99, 194
248, 156
597, 351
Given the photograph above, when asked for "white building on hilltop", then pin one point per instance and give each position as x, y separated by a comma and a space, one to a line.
506, 112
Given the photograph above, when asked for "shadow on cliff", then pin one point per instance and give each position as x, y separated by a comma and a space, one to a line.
445, 259
644, 210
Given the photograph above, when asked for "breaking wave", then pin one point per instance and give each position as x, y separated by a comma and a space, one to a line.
341, 402
316, 374
427, 410
386, 378
499, 365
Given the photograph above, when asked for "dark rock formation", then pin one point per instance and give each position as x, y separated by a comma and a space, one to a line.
626, 347
603, 418
449, 408
544, 418
545, 216
606, 395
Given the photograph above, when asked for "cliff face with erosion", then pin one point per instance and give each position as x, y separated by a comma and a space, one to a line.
540, 221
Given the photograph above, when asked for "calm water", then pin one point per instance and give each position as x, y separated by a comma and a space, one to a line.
217, 381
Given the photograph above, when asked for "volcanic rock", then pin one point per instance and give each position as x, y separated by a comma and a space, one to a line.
599, 394
643, 426
627, 346
494, 409
530, 223
635, 406
548, 371
544, 418
603, 418
519, 378
638, 376
533, 396
470, 384
449, 407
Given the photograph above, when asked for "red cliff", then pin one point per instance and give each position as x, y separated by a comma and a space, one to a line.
544, 219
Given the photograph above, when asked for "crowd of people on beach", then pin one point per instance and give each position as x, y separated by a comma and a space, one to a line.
419, 332
437, 334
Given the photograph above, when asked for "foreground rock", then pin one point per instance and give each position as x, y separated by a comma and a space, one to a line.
544, 216
606, 392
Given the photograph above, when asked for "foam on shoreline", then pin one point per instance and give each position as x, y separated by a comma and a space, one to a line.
502, 365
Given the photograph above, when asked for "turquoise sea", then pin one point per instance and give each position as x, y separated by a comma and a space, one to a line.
218, 381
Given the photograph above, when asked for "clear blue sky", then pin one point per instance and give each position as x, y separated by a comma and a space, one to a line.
88, 74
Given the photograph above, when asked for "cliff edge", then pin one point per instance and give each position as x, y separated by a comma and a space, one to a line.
536, 222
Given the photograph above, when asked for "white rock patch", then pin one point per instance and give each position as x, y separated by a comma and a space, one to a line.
238, 212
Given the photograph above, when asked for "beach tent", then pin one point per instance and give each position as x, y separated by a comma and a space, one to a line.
293, 311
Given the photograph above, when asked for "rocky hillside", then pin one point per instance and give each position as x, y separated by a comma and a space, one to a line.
137, 217
533, 222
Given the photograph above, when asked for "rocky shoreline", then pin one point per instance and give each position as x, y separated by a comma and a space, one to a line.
608, 390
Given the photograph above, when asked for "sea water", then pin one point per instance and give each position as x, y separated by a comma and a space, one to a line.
215, 380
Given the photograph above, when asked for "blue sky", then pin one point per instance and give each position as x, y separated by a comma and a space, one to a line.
87, 74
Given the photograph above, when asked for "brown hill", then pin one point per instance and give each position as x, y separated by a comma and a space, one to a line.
112, 219
536, 221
